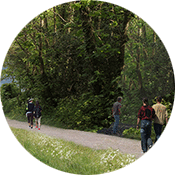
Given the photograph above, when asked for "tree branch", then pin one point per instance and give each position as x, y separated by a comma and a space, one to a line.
59, 16
22, 47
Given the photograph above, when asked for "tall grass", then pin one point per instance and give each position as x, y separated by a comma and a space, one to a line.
69, 157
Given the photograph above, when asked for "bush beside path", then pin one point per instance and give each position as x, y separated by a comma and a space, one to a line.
88, 139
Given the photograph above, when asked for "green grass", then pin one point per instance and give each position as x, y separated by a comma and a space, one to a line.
46, 119
69, 157
133, 133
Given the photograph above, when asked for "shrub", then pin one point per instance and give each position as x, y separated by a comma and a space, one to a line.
132, 133
83, 113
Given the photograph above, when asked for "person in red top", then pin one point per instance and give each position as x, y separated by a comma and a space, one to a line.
37, 115
145, 115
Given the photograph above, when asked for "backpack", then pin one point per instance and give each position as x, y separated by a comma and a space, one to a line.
147, 113
37, 111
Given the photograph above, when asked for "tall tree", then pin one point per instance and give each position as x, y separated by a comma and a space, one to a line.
148, 70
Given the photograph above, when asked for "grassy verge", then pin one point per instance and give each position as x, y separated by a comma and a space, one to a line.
69, 157
49, 120
46, 119
133, 133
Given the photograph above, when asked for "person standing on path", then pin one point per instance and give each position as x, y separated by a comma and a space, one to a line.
29, 111
37, 115
116, 114
161, 115
27, 107
146, 115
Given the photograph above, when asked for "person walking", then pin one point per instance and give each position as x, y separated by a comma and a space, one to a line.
116, 113
145, 115
27, 107
37, 115
29, 113
161, 115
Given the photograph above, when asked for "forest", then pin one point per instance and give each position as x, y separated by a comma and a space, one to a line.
77, 58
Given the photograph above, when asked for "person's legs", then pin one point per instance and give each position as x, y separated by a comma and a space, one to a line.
158, 130
36, 120
148, 133
143, 136
116, 123
28, 118
39, 123
31, 120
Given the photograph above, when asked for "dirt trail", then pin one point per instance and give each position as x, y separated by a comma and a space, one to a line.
92, 140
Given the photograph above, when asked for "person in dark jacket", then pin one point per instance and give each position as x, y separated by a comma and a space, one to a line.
37, 115
145, 115
29, 110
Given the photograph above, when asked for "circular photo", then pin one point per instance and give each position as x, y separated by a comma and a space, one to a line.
87, 87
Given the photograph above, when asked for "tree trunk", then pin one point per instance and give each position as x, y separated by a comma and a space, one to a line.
55, 28
154, 41
90, 45
40, 48
138, 67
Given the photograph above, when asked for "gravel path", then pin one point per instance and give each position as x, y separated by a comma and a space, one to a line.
92, 140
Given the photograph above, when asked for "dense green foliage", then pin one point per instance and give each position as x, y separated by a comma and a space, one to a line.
76, 58
134, 133
147, 69
69, 157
